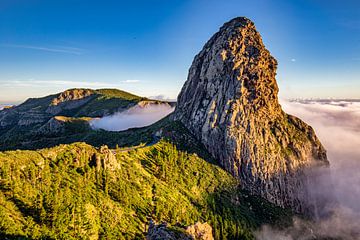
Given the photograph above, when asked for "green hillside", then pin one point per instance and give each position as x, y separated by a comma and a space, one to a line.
80, 192
30, 125
111, 99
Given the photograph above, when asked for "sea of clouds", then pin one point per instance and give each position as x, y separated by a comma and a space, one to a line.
134, 117
337, 124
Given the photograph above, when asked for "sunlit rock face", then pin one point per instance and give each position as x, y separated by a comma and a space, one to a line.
229, 102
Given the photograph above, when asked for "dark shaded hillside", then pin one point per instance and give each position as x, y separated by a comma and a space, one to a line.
78, 130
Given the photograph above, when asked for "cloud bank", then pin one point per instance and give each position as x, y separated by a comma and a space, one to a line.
337, 124
134, 117
162, 97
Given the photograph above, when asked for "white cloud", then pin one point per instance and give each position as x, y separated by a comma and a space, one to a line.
293, 60
162, 97
134, 117
337, 124
57, 49
131, 81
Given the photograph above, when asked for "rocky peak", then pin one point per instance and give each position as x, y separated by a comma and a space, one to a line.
229, 102
106, 159
71, 94
70, 99
201, 231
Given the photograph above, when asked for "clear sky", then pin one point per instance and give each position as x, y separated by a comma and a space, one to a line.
146, 47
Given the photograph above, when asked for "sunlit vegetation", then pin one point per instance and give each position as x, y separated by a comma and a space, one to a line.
76, 192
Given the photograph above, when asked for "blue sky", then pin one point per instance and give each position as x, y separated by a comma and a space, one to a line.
146, 47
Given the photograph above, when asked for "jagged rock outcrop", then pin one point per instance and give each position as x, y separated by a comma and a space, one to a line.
201, 231
105, 160
198, 231
54, 125
71, 95
162, 232
229, 102
70, 99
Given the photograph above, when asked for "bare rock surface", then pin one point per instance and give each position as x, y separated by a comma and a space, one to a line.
230, 103
198, 231
70, 99
201, 231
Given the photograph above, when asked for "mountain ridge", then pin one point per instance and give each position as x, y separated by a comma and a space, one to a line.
38, 118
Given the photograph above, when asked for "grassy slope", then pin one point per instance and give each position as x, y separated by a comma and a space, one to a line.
101, 95
59, 193
110, 99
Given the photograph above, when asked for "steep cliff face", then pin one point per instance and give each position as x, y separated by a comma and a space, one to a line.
229, 102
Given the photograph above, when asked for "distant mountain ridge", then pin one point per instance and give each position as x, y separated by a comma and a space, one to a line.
80, 102
61, 114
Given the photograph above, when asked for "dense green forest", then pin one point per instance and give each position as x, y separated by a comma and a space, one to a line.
77, 191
